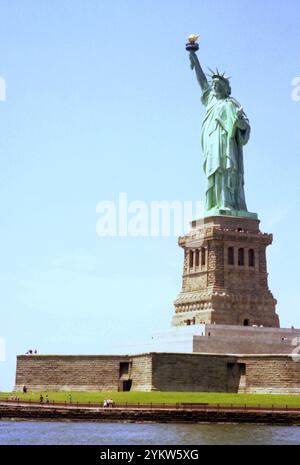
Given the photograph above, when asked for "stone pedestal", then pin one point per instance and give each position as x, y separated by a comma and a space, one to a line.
225, 279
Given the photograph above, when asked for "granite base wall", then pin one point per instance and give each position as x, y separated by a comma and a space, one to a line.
81, 372
193, 372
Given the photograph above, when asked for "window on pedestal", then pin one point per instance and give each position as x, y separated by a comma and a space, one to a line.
230, 256
191, 258
203, 256
251, 257
197, 257
241, 257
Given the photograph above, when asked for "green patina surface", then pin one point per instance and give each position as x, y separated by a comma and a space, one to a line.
225, 131
163, 397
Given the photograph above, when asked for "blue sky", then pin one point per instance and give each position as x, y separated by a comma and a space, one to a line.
101, 100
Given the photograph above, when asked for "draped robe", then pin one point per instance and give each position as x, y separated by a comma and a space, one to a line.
222, 144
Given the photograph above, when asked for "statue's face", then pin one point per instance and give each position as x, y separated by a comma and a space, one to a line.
219, 88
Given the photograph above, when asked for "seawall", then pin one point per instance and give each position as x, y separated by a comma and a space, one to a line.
38, 413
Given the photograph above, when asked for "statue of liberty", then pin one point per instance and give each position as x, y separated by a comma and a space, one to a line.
225, 130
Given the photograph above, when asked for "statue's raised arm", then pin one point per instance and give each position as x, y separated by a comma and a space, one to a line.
195, 64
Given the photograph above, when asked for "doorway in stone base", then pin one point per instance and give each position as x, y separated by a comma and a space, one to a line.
236, 377
125, 380
126, 385
246, 322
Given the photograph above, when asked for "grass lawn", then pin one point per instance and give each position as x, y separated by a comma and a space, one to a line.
163, 397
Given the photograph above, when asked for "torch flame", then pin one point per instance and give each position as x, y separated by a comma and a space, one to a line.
192, 38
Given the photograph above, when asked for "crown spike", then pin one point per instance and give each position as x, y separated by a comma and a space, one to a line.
211, 72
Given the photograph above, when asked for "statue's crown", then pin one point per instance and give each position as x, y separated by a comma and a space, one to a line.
222, 77
217, 75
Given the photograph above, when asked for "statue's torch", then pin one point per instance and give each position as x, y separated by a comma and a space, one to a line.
192, 45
